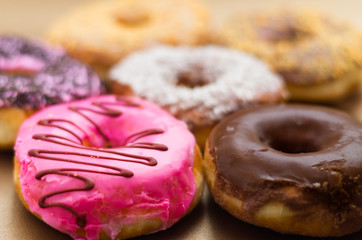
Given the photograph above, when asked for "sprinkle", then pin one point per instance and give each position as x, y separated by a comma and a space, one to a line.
34, 75
229, 128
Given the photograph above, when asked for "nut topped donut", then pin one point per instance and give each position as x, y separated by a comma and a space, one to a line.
291, 168
107, 167
32, 76
103, 33
199, 85
319, 58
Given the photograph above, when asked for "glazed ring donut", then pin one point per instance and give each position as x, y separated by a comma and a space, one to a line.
199, 85
107, 168
291, 168
34, 75
104, 32
319, 58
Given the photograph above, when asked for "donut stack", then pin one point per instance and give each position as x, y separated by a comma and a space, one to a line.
124, 160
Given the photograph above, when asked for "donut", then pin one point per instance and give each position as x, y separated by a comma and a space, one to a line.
107, 167
199, 85
319, 58
295, 169
102, 33
32, 76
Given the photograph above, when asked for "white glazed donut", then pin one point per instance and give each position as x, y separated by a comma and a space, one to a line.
199, 85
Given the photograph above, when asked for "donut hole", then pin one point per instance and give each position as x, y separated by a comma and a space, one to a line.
293, 142
193, 76
21, 65
191, 79
19, 72
95, 140
303, 136
132, 19
286, 29
104, 144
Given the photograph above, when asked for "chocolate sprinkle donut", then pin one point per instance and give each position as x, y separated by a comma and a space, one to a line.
34, 75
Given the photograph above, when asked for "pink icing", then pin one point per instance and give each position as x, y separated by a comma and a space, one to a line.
26, 63
164, 191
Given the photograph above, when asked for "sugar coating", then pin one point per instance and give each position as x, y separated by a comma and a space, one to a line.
231, 79
34, 75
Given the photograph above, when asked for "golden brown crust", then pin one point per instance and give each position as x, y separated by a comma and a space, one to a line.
16, 177
327, 92
278, 213
123, 26
199, 178
201, 135
10, 121
141, 226
305, 47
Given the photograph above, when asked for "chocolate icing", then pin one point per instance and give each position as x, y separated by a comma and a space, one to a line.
61, 79
101, 108
314, 149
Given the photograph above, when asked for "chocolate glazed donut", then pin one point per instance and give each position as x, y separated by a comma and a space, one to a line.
292, 168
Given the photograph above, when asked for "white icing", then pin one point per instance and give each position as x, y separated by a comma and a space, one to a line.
235, 79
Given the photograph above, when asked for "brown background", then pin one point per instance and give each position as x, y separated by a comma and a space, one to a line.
207, 221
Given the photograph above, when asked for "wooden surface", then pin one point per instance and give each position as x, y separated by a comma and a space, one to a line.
207, 221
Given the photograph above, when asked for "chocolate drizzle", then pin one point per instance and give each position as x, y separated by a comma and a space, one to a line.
101, 108
106, 111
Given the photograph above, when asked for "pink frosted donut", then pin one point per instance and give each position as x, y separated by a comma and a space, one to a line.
107, 168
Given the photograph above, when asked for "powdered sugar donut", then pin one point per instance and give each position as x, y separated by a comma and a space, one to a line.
34, 75
107, 168
198, 85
